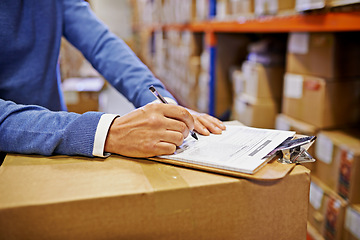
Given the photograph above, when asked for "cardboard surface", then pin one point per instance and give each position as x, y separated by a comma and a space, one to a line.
326, 210
121, 198
352, 223
263, 81
256, 112
328, 55
336, 102
338, 165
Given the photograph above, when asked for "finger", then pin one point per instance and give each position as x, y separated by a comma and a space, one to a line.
200, 128
164, 148
172, 137
179, 113
210, 124
176, 125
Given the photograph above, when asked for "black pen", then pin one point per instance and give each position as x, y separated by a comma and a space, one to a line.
163, 100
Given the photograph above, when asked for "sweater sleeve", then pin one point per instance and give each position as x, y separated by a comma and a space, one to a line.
108, 54
30, 129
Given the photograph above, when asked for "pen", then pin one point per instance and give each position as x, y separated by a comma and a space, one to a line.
163, 100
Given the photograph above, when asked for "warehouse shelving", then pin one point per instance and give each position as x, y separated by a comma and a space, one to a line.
299, 22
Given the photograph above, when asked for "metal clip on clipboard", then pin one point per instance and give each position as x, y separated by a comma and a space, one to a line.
294, 150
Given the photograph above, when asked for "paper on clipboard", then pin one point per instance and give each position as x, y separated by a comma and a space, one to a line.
238, 148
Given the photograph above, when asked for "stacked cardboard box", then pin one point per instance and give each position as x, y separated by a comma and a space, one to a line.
352, 223
176, 59
322, 89
82, 94
322, 68
274, 7
258, 103
234, 9
326, 211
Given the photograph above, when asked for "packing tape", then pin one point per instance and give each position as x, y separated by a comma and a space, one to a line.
173, 194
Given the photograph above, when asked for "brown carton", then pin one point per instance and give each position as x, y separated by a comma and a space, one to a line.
322, 103
352, 223
82, 94
338, 165
326, 210
273, 7
327, 55
255, 112
121, 198
263, 81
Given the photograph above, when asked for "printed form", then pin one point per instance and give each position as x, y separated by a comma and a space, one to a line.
238, 148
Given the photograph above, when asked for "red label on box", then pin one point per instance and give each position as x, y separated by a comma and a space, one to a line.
312, 85
346, 162
332, 213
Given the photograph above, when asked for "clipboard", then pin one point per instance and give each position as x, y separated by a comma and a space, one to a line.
282, 160
279, 165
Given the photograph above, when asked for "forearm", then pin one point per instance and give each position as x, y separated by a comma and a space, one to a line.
36, 130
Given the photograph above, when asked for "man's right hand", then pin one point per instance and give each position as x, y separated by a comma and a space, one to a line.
155, 129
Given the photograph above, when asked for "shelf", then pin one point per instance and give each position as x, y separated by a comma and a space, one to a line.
321, 22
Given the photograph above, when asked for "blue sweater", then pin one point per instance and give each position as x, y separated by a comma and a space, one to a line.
30, 36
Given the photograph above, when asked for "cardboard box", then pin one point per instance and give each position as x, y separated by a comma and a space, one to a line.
352, 223
313, 234
338, 3
338, 165
326, 210
322, 103
255, 112
273, 7
121, 198
327, 55
242, 8
263, 81
82, 94
302, 5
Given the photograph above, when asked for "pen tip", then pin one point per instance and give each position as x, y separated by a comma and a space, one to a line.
194, 135
151, 88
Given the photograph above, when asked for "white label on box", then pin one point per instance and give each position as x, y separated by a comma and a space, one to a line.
298, 43
316, 195
282, 124
293, 86
240, 106
352, 222
324, 148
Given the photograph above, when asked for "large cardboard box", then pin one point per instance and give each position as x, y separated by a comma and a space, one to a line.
327, 55
338, 165
322, 103
352, 223
263, 81
121, 198
326, 210
82, 94
255, 112
313, 234
273, 7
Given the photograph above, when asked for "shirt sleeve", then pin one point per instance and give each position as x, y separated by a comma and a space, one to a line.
31, 129
101, 134
109, 54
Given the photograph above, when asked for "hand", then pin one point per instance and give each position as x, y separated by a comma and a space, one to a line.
206, 124
155, 129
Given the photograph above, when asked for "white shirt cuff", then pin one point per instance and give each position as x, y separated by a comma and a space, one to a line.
101, 134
